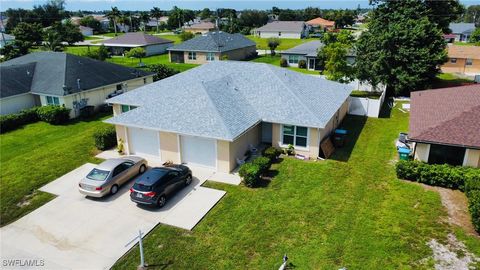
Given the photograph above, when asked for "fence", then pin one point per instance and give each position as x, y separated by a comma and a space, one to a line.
366, 106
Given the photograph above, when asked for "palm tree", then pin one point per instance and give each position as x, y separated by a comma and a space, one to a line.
113, 15
144, 19
156, 13
52, 41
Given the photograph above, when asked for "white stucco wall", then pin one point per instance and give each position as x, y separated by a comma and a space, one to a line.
422, 151
269, 34
472, 158
14, 104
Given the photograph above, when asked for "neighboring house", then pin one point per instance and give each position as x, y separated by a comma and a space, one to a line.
6, 39
445, 125
201, 27
57, 78
213, 46
153, 45
462, 59
283, 29
213, 114
460, 31
86, 31
321, 24
152, 23
308, 52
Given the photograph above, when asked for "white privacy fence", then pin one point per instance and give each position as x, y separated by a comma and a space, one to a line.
366, 106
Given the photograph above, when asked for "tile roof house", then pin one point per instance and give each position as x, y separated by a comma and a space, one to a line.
321, 24
283, 29
200, 27
57, 78
461, 31
211, 47
153, 45
445, 125
462, 59
211, 115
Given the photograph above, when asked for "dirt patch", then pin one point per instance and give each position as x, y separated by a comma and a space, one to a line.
452, 255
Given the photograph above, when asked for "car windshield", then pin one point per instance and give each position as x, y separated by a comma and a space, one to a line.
141, 187
98, 175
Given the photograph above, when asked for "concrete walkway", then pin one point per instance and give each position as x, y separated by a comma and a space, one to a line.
76, 232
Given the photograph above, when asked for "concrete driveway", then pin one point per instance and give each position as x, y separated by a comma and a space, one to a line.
76, 232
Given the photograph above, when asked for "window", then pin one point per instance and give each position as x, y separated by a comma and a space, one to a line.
210, 56
126, 108
294, 135
119, 87
52, 100
144, 80
441, 154
293, 59
453, 60
469, 62
192, 56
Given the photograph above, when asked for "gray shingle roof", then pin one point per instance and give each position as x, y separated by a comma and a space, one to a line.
54, 70
16, 80
308, 48
283, 26
222, 99
462, 28
136, 39
217, 41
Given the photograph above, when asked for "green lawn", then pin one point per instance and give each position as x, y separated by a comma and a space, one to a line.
285, 43
91, 38
37, 154
449, 80
275, 60
349, 211
467, 43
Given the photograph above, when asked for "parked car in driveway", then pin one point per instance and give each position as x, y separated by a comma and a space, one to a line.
108, 176
156, 185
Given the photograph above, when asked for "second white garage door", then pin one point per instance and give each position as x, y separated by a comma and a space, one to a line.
144, 142
198, 151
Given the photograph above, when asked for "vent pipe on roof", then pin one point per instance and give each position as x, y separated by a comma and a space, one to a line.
78, 85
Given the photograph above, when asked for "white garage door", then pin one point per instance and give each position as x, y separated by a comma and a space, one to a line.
198, 151
144, 142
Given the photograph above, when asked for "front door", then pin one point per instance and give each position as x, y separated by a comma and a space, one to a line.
311, 63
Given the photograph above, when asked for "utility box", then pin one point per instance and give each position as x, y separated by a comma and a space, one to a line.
339, 137
403, 153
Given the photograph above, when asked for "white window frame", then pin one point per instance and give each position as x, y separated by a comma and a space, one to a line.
304, 148
52, 100
210, 56
293, 61
192, 55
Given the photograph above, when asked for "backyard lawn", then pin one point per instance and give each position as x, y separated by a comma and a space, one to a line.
285, 43
449, 80
275, 60
37, 154
349, 211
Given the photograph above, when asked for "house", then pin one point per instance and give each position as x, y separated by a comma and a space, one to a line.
462, 59
153, 45
212, 46
86, 31
445, 125
308, 52
6, 39
283, 29
213, 114
321, 24
200, 27
461, 32
57, 78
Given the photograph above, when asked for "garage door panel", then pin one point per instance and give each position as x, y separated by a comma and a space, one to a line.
144, 142
198, 151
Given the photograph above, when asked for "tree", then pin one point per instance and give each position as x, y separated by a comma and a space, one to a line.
333, 56
144, 18
68, 32
273, 44
205, 14
101, 53
253, 18
178, 17
18, 48
113, 15
28, 32
137, 52
475, 37
90, 21
471, 15
184, 36
161, 71
402, 48
156, 13
52, 41
311, 13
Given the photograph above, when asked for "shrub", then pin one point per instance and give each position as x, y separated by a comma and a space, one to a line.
161, 71
184, 36
474, 208
283, 62
105, 137
302, 64
271, 153
250, 174
13, 121
263, 164
54, 114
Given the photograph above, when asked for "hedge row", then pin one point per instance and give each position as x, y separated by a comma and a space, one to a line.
105, 137
464, 178
51, 114
251, 172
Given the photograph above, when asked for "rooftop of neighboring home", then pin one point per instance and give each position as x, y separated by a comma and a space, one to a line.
458, 51
201, 25
52, 73
320, 22
221, 100
283, 26
448, 116
135, 39
217, 41
462, 28
308, 48
85, 28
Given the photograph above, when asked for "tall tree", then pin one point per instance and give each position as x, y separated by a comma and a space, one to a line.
52, 41
113, 15
156, 13
144, 18
205, 14
91, 22
333, 56
28, 32
51, 12
472, 15
402, 48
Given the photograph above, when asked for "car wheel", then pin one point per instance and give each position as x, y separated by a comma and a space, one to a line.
188, 180
143, 168
161, 201
114, 189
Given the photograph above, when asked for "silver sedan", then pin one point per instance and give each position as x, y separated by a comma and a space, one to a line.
108, 176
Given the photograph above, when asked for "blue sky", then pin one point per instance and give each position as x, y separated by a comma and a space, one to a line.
196, 4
